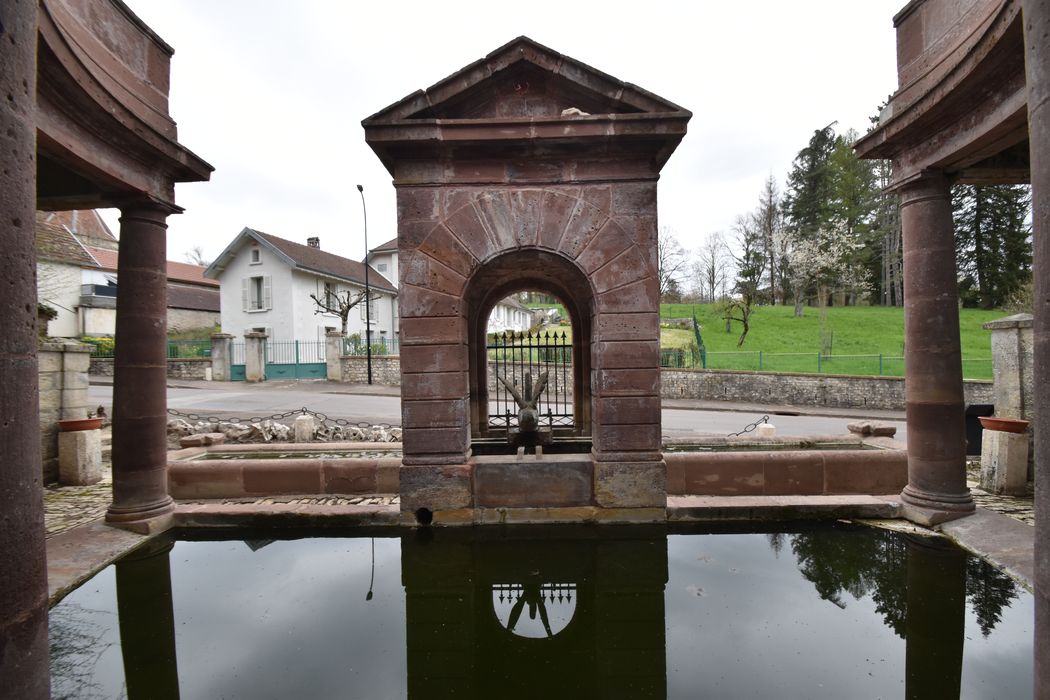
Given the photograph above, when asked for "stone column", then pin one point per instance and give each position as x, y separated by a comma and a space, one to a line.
333, 350
1037, 68
23, 574
222, 357
147, 622
255, 356
936, 489
140, 368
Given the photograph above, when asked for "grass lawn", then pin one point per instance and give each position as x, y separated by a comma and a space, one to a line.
855, 331
866, 340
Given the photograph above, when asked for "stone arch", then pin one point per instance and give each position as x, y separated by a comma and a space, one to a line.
529, 268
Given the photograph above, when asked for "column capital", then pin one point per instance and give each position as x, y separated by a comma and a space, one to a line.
143, 205
928, 185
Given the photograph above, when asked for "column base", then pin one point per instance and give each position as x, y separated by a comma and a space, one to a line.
145, 520
925, 508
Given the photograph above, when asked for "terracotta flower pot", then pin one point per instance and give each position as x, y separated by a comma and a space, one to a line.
1005, 425
71, 424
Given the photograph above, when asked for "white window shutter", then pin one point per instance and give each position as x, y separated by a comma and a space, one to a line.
245, 299
267, 293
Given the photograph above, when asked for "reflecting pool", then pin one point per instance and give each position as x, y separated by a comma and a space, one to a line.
582, 612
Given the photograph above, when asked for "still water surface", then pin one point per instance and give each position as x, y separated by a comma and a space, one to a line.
614, 612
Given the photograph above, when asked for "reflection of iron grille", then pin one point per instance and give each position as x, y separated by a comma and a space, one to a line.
511, 355
549, 592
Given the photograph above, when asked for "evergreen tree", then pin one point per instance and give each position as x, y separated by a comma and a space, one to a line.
992, 242
809, 186
768, 221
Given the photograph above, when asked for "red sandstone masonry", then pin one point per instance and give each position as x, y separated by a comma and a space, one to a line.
434, 358
444, 246
606, 245
432, 331
557, 208
434, 385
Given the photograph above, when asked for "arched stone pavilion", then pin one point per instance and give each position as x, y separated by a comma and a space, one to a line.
529, 170
971, 107
84, 123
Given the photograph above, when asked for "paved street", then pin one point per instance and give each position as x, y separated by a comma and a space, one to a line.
680, 418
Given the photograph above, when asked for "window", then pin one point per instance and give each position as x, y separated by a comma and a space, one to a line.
381, 267
256, 257
329, 295
371, 310
256, 293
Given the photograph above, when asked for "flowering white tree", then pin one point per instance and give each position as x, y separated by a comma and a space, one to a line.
827, 260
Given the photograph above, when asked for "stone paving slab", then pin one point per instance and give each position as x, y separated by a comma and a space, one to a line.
78, 554
709, 508
1007, 542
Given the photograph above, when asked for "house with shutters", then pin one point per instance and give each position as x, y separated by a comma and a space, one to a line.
266, 283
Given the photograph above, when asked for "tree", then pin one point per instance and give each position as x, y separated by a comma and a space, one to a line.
711, 268
195, 256
672, 261
853, 200
809, 185
828, 259
992, 241
768, 220
750, 264
339, 303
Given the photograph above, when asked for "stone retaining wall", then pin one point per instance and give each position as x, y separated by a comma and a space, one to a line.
838, 391
178, 368
386, 369
832, 390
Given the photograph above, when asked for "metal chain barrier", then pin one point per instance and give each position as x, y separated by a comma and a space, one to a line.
750, 427
324, 419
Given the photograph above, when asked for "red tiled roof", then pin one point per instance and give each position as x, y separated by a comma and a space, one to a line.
56, 244
389, 245
177, 271
325, 263
184, 296
85, 223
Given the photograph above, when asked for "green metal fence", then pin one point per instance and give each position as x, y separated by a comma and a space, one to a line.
807, 363
104, 347
356, 345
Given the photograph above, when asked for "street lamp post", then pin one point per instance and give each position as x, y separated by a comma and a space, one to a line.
368, 292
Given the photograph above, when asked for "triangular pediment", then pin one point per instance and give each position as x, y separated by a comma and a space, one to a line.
524, 80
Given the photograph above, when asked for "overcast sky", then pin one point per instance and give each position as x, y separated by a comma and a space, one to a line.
272, 94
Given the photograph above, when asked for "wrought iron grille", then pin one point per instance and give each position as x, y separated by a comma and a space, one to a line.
511, 355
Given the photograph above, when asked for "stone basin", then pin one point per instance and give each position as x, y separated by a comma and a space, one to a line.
814, 465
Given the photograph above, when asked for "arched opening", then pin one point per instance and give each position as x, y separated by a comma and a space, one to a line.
567, 410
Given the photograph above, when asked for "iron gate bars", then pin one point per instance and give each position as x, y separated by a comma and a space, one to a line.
512, 354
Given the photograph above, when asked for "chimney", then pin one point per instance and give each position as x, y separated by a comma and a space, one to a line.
314, 242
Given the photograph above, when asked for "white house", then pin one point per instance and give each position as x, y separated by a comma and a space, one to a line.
508, 314
77, 276
265, 283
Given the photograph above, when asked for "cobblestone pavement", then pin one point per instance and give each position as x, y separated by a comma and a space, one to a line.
1017, 507
66, 507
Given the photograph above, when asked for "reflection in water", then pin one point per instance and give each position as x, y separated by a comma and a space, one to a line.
77, 640
864, 562
556, 613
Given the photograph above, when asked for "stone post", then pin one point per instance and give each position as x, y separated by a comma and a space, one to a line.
147, 622
222, 357
76, 360
23, 574
140, 369
936, 489
1036, 15
333, 350
255, 356
1012, 364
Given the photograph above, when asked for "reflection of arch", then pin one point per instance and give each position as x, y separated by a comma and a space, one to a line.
548, 601
543, 271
